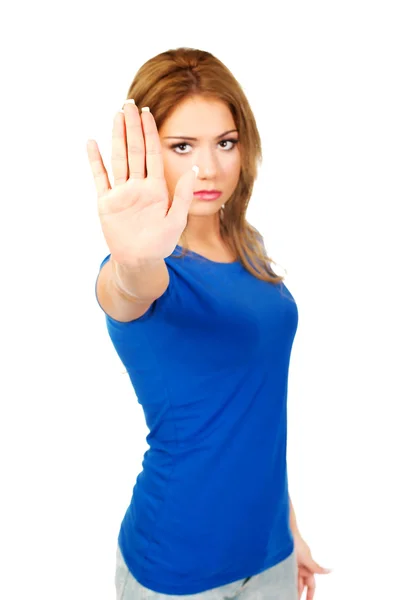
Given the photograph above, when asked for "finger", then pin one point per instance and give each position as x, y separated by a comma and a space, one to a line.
316, 568
119, 159
154, 159
300, 588
183, 197
100, 175
134, 140
310, 588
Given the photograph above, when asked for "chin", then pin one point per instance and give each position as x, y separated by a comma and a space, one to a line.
208, 208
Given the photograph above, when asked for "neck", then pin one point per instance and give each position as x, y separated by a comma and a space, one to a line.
201, 230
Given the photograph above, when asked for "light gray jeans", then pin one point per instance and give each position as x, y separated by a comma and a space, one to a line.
277, 583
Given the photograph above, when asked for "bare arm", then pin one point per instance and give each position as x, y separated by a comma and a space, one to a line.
293, 522
125, 293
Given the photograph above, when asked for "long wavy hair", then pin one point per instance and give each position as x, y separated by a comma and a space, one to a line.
172, 76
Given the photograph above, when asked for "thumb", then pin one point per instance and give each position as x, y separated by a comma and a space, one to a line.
183, 195
316, 568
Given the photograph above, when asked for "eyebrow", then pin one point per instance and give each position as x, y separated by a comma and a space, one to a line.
192, 139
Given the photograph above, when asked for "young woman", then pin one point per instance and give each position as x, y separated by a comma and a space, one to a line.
205, 329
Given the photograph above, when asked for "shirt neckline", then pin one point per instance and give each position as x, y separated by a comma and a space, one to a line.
214, 262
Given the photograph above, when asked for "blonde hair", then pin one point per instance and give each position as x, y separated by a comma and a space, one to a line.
172, 76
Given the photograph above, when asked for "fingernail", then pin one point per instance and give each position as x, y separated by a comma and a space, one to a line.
145, 109
129, 101
196, 170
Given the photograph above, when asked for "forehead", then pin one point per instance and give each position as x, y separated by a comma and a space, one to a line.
199, 117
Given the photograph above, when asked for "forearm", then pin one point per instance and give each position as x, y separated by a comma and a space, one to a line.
141, 283
293, 521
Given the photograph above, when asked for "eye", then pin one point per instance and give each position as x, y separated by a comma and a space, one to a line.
176, 146
233, 142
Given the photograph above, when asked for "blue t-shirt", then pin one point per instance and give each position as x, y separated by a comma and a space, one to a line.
209, 364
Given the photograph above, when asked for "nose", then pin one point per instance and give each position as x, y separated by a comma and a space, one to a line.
207, 163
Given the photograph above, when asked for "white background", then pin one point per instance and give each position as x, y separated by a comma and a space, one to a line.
323, 81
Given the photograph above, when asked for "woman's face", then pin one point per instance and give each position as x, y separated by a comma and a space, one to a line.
214, 148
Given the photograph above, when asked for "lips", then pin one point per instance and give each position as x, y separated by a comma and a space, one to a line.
208, 194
